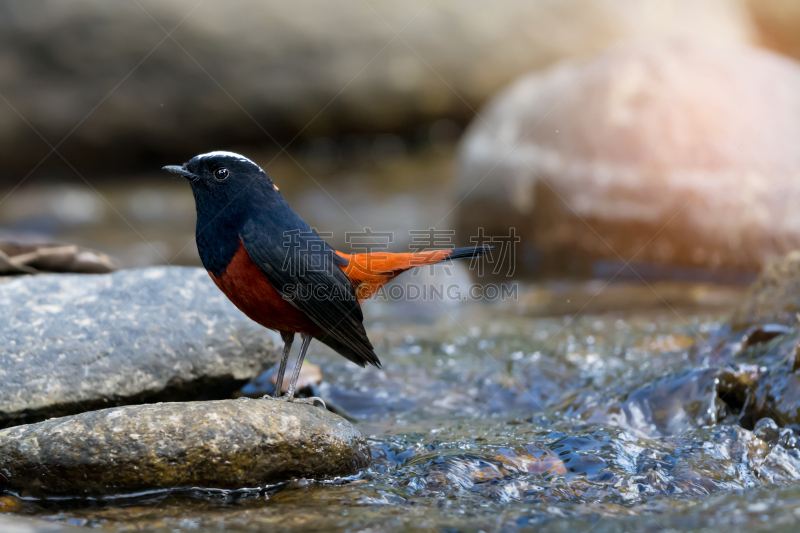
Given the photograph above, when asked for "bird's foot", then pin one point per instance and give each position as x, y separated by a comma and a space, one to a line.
311, 401
284, 398
291, 398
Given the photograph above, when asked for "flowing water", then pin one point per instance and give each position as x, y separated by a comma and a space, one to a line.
496, 417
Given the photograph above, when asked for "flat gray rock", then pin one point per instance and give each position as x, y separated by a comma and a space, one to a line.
71, 342
227, 444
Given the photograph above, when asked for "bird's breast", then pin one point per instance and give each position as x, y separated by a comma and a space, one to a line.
248, 288
217, 243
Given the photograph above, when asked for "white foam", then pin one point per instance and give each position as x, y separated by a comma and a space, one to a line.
225, 154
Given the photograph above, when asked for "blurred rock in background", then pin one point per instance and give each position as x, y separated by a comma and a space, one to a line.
31, 257
108, 78
774, 298
672, 152
778, 24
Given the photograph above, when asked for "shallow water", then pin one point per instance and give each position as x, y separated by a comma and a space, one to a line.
496, 417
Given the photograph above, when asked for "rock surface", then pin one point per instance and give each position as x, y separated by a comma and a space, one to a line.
774, 391
774, 298
72, 343
286, 62
673, 153
227, 444
778, 394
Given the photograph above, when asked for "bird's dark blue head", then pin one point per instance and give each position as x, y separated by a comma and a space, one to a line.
221, 179
231, 191
225, 180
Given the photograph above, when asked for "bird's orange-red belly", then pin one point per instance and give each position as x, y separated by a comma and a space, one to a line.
248, 288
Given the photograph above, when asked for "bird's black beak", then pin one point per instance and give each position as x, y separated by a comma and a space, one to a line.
180, 171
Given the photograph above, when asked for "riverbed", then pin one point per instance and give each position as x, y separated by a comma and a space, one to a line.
499, 416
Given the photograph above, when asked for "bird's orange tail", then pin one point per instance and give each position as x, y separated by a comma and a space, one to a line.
369, 272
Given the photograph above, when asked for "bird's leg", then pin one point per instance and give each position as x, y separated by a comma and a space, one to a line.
288, 338
296, 374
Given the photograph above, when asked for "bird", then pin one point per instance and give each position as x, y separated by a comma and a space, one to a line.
279, 272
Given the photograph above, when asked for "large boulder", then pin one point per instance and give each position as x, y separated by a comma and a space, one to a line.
228, 444
675, 152
72, 342
106, 72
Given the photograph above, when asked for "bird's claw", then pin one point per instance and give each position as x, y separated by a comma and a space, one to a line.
286, 398
311, 401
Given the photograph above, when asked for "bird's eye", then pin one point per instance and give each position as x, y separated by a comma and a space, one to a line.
221, 173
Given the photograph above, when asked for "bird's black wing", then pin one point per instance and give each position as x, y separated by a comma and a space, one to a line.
306, 271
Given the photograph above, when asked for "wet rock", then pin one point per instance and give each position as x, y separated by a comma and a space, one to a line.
774, 297
228, 444
71, 343
299, 59
18, 258
767, 430
777, 22
763, 334
778, 395
672, 153
771, 400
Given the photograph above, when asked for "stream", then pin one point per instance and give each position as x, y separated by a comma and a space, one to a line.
496, 417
